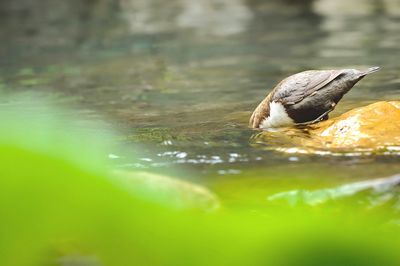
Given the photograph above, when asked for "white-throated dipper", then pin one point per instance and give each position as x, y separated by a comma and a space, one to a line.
305, 98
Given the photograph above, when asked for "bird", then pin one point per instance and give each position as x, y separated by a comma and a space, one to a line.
306, 97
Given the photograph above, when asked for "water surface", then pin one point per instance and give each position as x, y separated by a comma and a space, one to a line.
179, 79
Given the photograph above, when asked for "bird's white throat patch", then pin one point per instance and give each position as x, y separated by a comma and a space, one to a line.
277, 117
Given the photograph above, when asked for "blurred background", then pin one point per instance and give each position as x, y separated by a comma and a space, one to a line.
180, 78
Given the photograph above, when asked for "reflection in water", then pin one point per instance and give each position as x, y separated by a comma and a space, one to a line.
353, 24
154, 16
356, 8
215, 17
55, 23
218, 17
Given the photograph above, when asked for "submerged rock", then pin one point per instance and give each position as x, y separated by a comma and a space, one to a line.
372, 193
168, 190
374, 128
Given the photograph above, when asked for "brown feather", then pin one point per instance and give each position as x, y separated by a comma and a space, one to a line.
299, 86
261, 112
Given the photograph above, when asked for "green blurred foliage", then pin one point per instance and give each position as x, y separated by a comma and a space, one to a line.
59, 205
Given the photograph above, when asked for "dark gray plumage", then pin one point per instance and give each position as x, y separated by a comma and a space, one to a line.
305, 97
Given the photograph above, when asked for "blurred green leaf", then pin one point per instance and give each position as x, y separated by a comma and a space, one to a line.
60, 205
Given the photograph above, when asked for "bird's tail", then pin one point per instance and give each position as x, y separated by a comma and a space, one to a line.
371, 70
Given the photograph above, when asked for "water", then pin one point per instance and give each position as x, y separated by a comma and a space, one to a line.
181, 78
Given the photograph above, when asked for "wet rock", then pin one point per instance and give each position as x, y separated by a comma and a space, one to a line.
169, 190
370, 129
370, 193
373, 126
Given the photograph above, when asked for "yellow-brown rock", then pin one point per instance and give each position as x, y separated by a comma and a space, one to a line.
374, 128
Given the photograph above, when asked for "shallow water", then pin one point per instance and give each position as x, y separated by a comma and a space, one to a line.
181, 78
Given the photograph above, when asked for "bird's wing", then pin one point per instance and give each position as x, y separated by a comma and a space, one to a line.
297, 87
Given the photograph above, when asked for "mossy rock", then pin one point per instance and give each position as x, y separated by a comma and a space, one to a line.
171, 191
